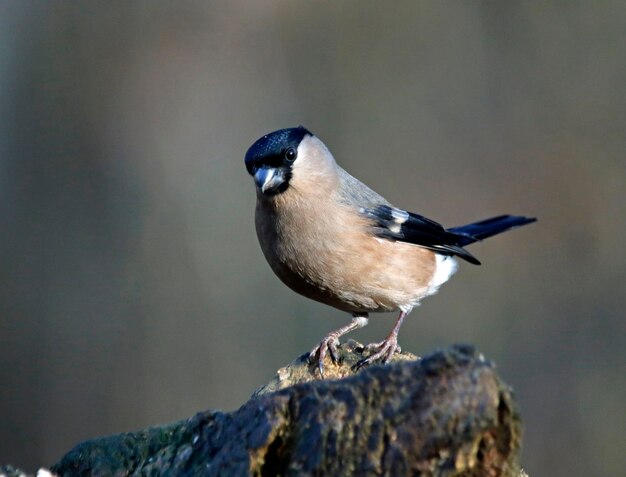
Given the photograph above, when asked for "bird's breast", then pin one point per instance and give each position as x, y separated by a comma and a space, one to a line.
328, 254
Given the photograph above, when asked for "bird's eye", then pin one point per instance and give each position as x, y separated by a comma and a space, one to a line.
290, 154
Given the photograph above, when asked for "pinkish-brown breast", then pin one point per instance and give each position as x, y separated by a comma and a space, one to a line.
324, 250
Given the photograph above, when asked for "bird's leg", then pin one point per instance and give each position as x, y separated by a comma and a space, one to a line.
385, 348
331, 340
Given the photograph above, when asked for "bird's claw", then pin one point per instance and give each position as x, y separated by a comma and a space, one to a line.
327, 345
377, 346
385, 350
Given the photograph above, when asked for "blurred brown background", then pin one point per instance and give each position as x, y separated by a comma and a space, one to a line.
133, 291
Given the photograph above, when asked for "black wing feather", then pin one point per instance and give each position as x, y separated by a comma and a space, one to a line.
396, 224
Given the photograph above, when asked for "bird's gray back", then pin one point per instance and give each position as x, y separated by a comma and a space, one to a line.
356, 194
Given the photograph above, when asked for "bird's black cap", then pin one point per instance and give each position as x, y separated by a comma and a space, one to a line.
269, 150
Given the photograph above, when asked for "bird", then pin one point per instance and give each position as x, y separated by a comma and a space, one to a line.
331, 238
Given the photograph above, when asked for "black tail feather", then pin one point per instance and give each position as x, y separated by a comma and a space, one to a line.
477, 231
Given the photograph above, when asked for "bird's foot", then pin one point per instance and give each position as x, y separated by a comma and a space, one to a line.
373, 347
327, 345
331, 341
383, 351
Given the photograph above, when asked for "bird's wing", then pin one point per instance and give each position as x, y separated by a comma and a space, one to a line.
396, 224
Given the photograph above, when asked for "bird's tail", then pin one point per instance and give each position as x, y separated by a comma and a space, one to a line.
477, 231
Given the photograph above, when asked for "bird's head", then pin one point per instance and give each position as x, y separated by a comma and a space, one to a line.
271, 159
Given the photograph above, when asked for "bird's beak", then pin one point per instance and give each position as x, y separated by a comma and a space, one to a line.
268, 179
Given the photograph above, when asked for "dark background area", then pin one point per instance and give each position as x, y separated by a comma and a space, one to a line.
132, 288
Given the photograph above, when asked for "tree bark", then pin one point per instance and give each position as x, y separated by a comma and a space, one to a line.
447, 414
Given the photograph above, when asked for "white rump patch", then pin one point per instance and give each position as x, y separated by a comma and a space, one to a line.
445, 266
